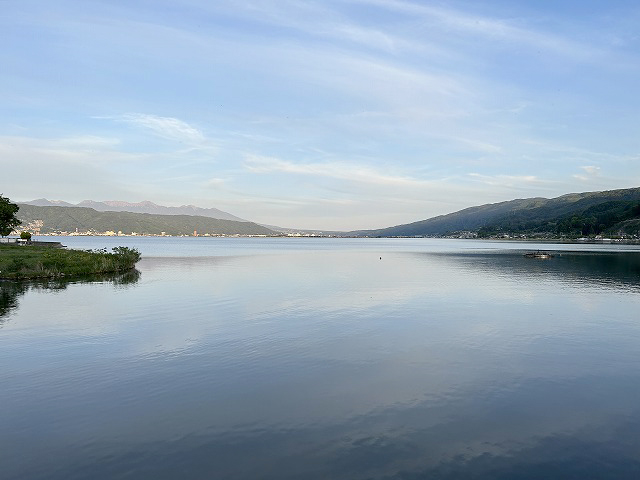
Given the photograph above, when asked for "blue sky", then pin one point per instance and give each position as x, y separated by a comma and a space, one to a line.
335, 114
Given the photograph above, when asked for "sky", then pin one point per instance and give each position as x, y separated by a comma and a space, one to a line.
333, 114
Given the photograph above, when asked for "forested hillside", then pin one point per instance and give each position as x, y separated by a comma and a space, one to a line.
576, 214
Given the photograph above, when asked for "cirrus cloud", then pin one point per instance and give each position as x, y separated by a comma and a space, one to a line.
340, 171
169, 128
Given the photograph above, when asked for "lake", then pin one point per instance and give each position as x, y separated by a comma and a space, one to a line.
307, 358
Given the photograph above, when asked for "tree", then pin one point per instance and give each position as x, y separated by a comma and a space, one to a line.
8, 219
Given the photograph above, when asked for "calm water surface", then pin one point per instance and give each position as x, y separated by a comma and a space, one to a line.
326, 359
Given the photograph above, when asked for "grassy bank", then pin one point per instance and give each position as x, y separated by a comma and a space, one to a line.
30, 261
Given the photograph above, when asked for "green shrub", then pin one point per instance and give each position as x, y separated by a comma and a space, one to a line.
33, 261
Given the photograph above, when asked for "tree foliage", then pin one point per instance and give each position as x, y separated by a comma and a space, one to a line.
8, 219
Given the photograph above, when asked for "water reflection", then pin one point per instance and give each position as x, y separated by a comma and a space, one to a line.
599, 269
331, 364
11, 290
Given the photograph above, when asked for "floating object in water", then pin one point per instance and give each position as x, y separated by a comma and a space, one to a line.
538, 254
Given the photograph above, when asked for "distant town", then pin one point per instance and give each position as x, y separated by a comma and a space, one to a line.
35, 227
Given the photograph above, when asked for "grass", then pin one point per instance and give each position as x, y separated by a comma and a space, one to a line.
30, 261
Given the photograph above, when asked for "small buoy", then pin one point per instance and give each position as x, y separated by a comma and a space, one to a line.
380, 258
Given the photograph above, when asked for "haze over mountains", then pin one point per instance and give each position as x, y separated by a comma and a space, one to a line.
140, 207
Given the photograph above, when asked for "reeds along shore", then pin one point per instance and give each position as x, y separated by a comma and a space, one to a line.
30, 261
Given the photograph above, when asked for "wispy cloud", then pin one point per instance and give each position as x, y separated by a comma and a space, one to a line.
479, 146
169, 128
492, 28
336, 170
73, 168
214, 182
66, 150
508, 180
381, 105
590, 171
80, 142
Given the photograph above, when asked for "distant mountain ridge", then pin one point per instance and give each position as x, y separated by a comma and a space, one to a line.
585, 213
57, 218
139, 207
43, 202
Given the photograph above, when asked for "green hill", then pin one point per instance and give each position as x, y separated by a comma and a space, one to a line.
575, 214
68, 219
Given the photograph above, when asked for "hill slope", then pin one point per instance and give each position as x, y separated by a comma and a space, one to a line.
68, 219
572, 214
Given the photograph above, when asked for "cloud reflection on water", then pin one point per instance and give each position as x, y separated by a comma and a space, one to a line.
341, 365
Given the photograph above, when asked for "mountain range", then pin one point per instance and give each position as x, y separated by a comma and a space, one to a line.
140, 207
612, 212
574, 214
56, 218
155, 209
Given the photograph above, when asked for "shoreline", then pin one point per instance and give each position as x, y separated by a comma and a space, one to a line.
581, 240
